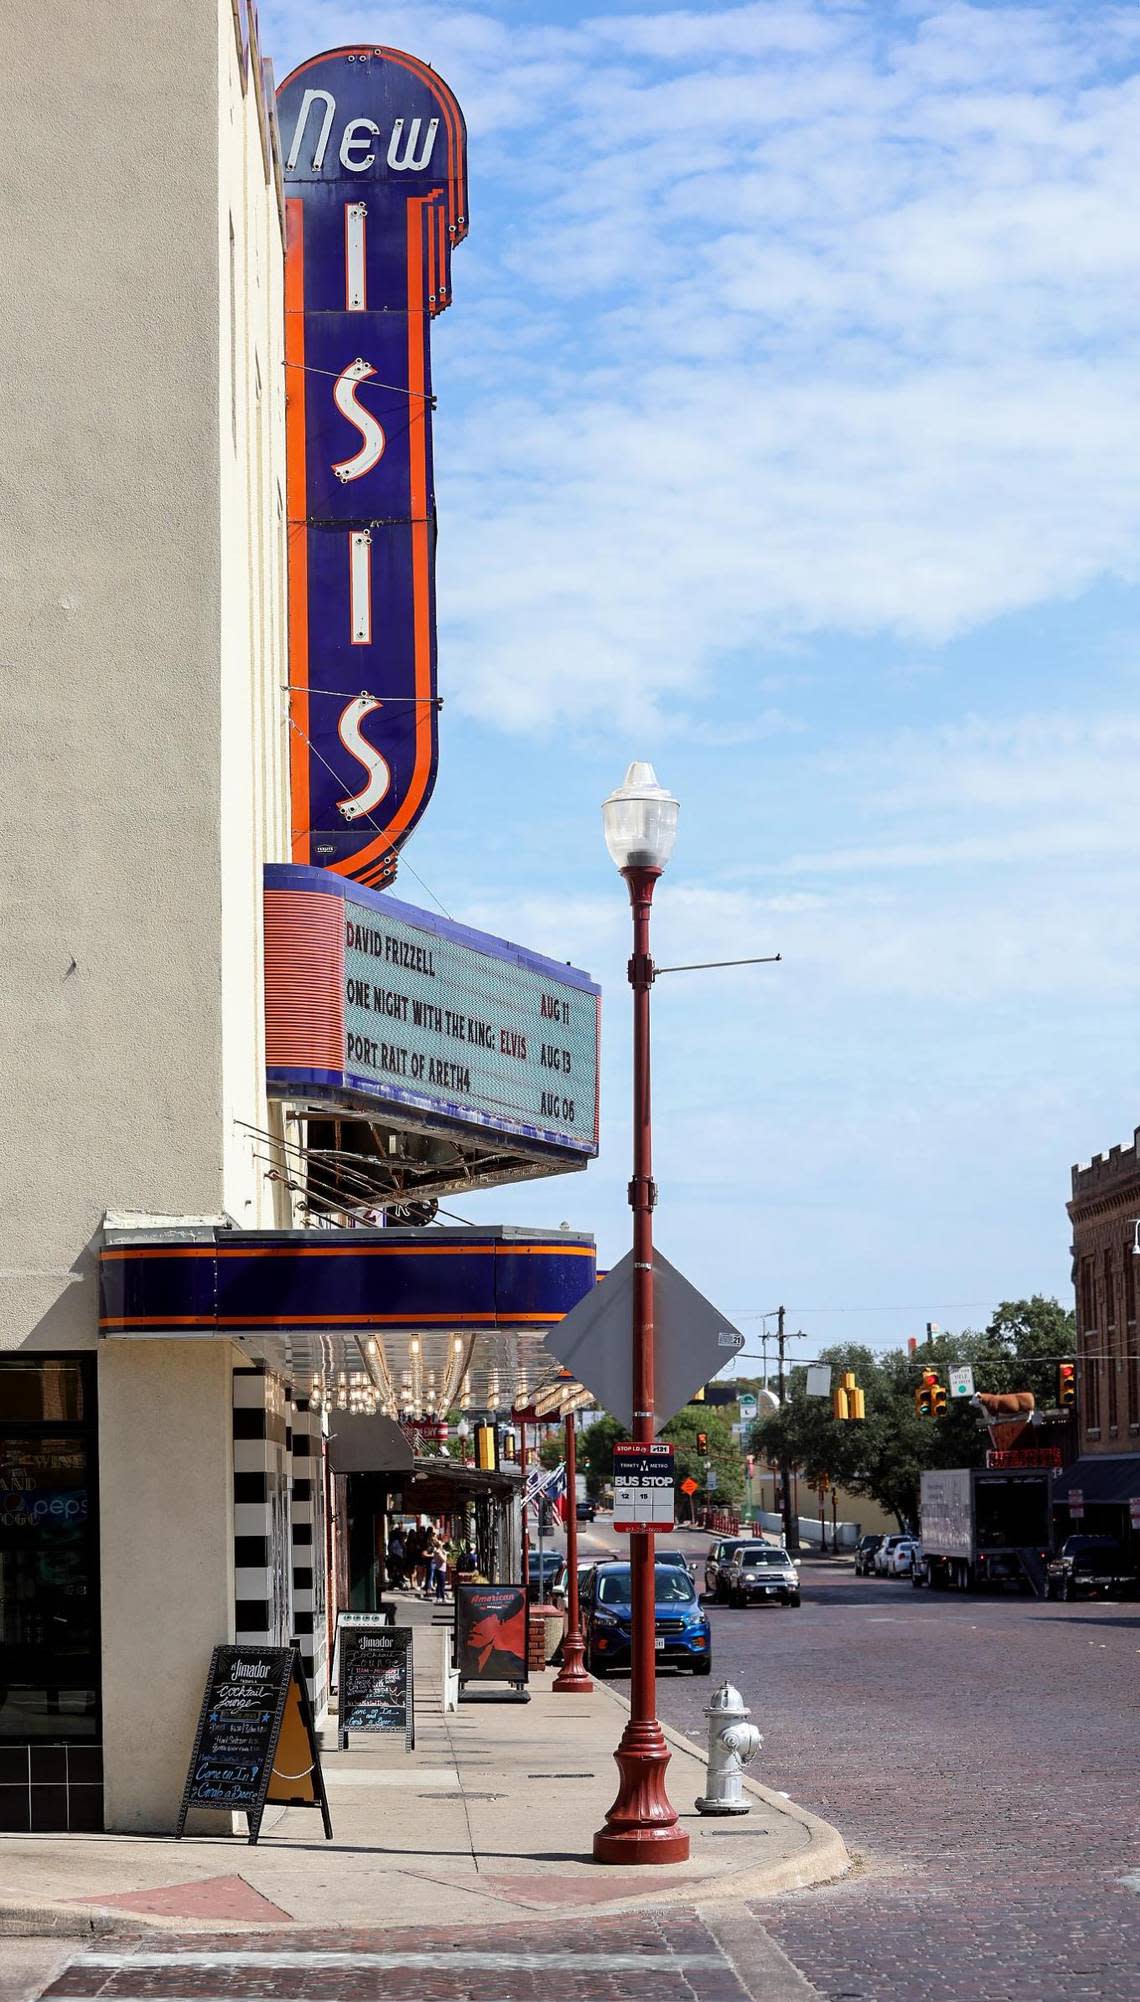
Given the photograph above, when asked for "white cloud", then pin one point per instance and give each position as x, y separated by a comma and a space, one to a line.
829, 325
780, 322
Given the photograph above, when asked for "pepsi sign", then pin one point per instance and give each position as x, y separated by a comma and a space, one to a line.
375, 167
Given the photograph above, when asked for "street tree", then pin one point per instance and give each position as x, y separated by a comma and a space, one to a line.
596, 1452
885, 1456
723, 1453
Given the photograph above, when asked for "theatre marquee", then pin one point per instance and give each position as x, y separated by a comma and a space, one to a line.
376, 1008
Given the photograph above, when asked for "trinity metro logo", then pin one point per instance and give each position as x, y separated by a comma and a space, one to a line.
375, 172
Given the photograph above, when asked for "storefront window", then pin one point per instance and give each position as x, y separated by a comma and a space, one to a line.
49, 1393
49, 1638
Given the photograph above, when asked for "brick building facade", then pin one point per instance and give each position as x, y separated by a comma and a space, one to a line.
1103, 1210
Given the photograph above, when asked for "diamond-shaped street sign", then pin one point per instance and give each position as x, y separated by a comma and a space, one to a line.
692, 1341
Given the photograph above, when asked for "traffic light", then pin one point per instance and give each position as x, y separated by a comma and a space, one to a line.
702, 1442
1067, 1385
938, 1400
487, 1448
847, 1400
924, 1395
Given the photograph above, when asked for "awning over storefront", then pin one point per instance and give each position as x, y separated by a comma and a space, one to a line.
1107, 1477
431, 1317
440, 1486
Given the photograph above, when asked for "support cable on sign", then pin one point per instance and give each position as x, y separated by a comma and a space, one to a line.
320, 1186
456, 1159
340, 1187
366, 1191
336, 1203
376, 829
711, 965
360, 694
365, 382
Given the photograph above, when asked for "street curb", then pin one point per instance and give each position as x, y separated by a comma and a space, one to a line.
825, 1855
823, 1858
55, 1918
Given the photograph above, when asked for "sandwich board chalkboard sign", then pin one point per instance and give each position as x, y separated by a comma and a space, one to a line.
385, 1617
255, 1742
377, 1682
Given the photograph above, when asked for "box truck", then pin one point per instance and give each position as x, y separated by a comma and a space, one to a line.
981, 1528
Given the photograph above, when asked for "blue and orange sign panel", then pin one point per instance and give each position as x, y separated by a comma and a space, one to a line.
242, 1282
375, 168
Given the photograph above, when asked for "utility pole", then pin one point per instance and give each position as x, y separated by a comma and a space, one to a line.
791, 1525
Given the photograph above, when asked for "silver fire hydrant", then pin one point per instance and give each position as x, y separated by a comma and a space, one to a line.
733, 1744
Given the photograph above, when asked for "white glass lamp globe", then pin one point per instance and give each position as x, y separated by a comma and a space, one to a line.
640, 820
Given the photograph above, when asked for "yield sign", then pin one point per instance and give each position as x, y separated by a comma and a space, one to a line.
691, 1341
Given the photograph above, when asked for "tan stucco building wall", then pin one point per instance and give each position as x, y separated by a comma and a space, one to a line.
141, 637
143, 655
165, 1451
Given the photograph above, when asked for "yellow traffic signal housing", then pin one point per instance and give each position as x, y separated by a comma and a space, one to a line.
702, 1442
938, 1401
486, 1454
1067, 1385
924, 1395
847, 1400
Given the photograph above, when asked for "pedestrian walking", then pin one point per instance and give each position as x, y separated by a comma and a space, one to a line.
396, 1557
413, 1557
435, 1578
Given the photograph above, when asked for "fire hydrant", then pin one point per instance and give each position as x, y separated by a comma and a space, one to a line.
733, 1744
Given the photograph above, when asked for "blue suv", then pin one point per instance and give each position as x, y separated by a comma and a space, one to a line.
684, 1637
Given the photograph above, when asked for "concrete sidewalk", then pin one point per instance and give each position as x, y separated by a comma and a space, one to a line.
490, 1817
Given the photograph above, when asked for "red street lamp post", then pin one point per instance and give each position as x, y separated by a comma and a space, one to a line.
640, 821
572, 1678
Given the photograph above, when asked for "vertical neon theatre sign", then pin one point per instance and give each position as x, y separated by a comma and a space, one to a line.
375, 154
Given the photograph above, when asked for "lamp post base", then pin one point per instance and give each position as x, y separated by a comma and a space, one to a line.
571, 1678
641, 1826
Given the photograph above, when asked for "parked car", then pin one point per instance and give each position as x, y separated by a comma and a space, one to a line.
674, 1557
864, 1555
880, 1562
585, 1511
682, 1631
762, 1572
1086, 1565
717, 1562
541, 1572
900, 1557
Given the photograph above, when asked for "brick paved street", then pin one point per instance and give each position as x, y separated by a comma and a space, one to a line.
675, 1956
981, 1755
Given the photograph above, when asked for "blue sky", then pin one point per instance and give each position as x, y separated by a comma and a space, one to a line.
788, 436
